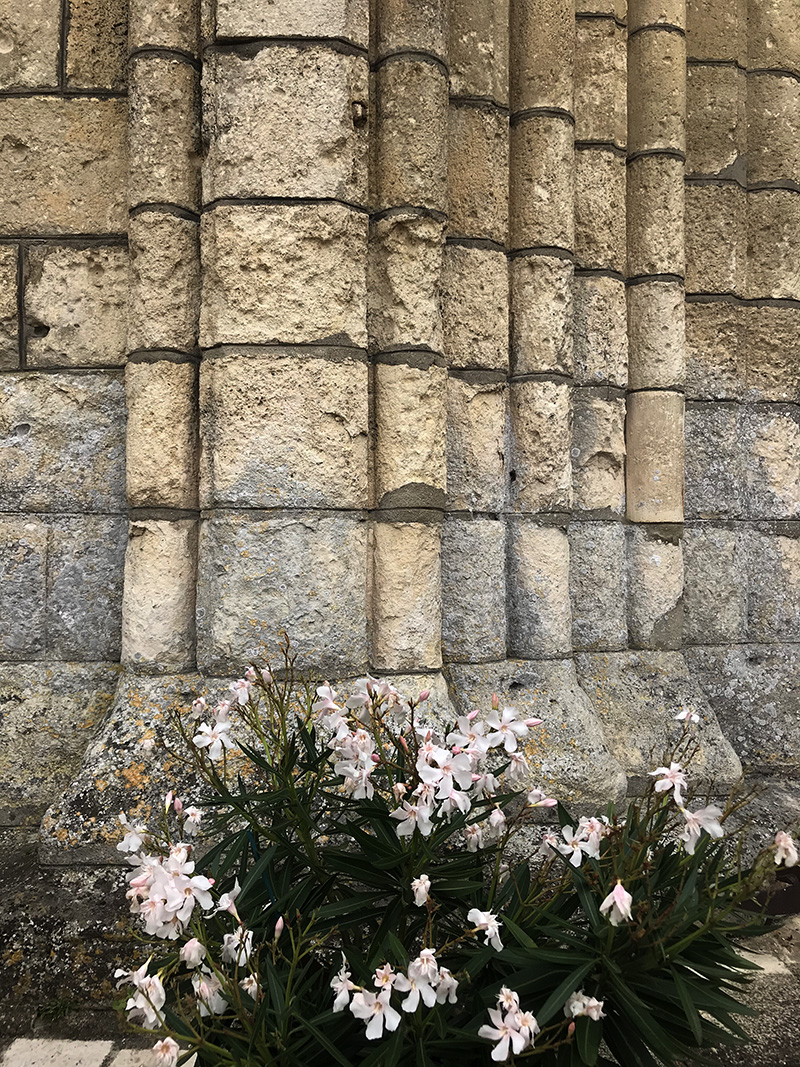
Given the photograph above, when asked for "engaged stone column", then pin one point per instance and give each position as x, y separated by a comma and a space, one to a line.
655, 414
284, 377
161, 374
409, 197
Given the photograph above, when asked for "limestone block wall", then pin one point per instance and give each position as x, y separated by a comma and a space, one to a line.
458, 337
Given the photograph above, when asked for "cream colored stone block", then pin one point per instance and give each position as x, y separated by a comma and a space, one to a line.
475, 307
716, 118
410, 434
63, 165
542, 50
33, 1052
541, 323
477, 173
75, 305
542, 178
286, 273
162, 434
164, 131
716, 238
715, 351
656, 335
29, 44
285, 122
158, 602
772, 346
772, 37
643, 13
771, 441
655, 216
404, 271
9, 326
598, 452
773, 235
773, 147
476, 429
599, 210
164, 284
348, 19
478, 54
406, 597
541, 430
600, 338
540, 620
655, 451
717, 31
167, 24
283, 430
656, 91
655, 591
411, 134
97, 44
600, 81
412, 25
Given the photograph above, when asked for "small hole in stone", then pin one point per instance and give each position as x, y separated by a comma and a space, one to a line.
512, 475
38, 329
22, 429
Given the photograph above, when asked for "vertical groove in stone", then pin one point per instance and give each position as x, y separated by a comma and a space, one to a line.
158, 628
541, 239
404, 318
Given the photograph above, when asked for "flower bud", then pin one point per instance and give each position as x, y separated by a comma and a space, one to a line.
375, 757
266, 676
250, 674
279, 927
168, 801
571, 1029
473, 715
177, 805
495, 702
399, 789
423, 696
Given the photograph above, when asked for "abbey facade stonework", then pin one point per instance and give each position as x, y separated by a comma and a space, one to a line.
460, 340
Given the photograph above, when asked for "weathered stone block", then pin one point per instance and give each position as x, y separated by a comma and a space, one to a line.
542, 176
420, 26
598, 585
655, 216
29, 43
772, 347
477, 172
476, 427
285, 122
283, 430
717, 31
655, 590
600, 81
478, 53
283, 273
288, 18
45, 465
643, 13
715, 596
657, 117
541, 315
97, 38
164, 132
63, 166
23, 587
411, 136
9, 325
542, 48
598, 452
599, 210
714, 470
655, 463
164, 283
716, 120
161, 434
404, 268
75, 305
304, 573
636, 696
771, 445
406, 596
715, 351
772, 38
475, 307
473, 590
85, 564
598, 327
158, 604
168, 24
539, 620
716, 238
656, 335
566, 753
541, 430
49, 718
754, 691
773, 233
410, 432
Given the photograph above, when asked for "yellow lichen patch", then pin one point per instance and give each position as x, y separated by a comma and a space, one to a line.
100, 784
135, 776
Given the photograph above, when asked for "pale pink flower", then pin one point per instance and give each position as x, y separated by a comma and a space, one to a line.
191, 823
550, 844
411, 817
416, 987
377, 1010
457, 800
518, 767
384, 977
422, 888
208, 990
526, 1023
237, 947
424, 966
486, 921
579, 1004
227, 901
193, 953
688, 714
215, 738
446, 987
696, 821
507, 999
785, 849
166, 1052
199, 707
619, 903
342, 987
506, 729
146, 1003
505, 1032
134, 834
474, 837
673, 778
469, 736
574, 845
241, 691
250, 986
222, 711
251, 674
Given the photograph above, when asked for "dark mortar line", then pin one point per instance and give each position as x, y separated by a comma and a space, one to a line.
547, 251
479, 375
779, 72
417, 358
600, 272
541, 376
101, 368
64, 94
21, 328
431, 58
643, 279
786, 185
63, 34
280, 201
331, 353
486, 103
163, 208
680, 389
407, 350
163, 355
88, 240
486, 243
419, 514
657, 27
247, 47
713, 179
668, 153
602, 146
600, 388
547, 112
600, 16
462, 514
732, 298
152, 51
162, 514
415, 210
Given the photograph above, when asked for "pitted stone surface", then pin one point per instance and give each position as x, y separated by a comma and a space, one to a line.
29, 45
473, 590
347, 19
598, 578
96, 44
9, 346
476, 445
475, 307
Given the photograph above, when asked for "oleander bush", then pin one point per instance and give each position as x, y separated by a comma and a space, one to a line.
372, 888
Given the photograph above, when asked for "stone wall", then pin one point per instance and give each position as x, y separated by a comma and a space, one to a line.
460, 340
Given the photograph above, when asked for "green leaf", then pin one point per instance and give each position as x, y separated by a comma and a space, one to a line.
518, 933
587, 1039
555, 1002
318, 1034
689, 1010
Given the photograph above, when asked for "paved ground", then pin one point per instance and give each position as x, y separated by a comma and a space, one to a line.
52, 1052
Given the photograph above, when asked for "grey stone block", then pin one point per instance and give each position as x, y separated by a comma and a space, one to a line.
23, 592
9, 346
476, 430
636, 696
567, 753
473, 590
539, 618
773, 568
62, 442
302, 573
714, 474
715, 351
770, 446
655, 589
715, 586
598, 585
